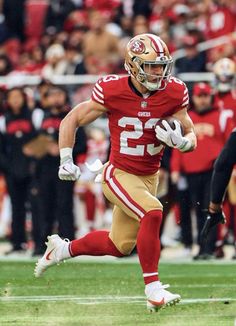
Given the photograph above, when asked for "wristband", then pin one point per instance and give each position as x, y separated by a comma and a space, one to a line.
186, 145
65, 154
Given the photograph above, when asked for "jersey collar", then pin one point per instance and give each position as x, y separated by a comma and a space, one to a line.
134, 90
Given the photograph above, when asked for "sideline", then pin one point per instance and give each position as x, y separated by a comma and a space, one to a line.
106, 299
124, 260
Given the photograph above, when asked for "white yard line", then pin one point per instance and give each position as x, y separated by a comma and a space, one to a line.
102, 299
185, 286
125, 260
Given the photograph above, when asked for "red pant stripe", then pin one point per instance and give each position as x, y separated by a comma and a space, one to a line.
121, 193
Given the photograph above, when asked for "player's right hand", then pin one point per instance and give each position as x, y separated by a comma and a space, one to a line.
212, 219
171, 137
69, 171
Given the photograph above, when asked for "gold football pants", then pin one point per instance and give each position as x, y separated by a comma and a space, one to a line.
133, 196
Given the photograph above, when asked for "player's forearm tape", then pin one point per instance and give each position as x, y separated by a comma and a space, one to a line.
65, 154
186, 145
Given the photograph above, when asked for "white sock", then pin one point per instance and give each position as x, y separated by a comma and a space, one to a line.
151, 286
64, 252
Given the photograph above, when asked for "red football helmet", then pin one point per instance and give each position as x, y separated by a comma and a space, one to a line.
144, 54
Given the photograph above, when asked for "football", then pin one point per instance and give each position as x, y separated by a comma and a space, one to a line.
170, 121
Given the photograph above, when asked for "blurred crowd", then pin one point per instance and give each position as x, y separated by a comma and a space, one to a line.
78, 37
51, 37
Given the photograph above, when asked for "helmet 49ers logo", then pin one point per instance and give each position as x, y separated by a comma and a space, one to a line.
137, 47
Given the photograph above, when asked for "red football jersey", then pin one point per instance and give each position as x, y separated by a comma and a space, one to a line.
132, 118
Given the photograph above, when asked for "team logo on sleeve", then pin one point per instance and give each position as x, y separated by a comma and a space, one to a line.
137, 47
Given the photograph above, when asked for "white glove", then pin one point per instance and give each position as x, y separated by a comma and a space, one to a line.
67, 169
173, 137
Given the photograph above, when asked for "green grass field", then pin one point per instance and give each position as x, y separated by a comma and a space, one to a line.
83, 293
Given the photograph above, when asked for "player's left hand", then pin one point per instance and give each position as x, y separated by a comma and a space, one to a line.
212, 219
171, 137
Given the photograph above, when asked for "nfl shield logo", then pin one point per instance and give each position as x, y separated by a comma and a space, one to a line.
143, 104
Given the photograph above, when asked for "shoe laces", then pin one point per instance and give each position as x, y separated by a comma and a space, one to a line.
156, 288
65, 241
163, 286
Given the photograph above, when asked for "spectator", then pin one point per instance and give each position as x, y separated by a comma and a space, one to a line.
221, 19
57, 13
140, 25
75, 64
119, 18
56, 196
100, 44
16, 129
76, 19
193, 61
41, 93
56, 64
76, 38
37, 57
5, 65
178, 15
12, 48
14, 16
212, 129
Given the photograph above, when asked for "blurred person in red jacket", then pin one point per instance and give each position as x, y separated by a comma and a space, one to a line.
212, 128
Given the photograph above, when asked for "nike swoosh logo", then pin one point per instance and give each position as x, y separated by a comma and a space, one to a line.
65, 169
157, 303
48, 255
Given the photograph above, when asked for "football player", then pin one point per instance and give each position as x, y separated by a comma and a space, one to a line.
221, 175
133, 105
225, 100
